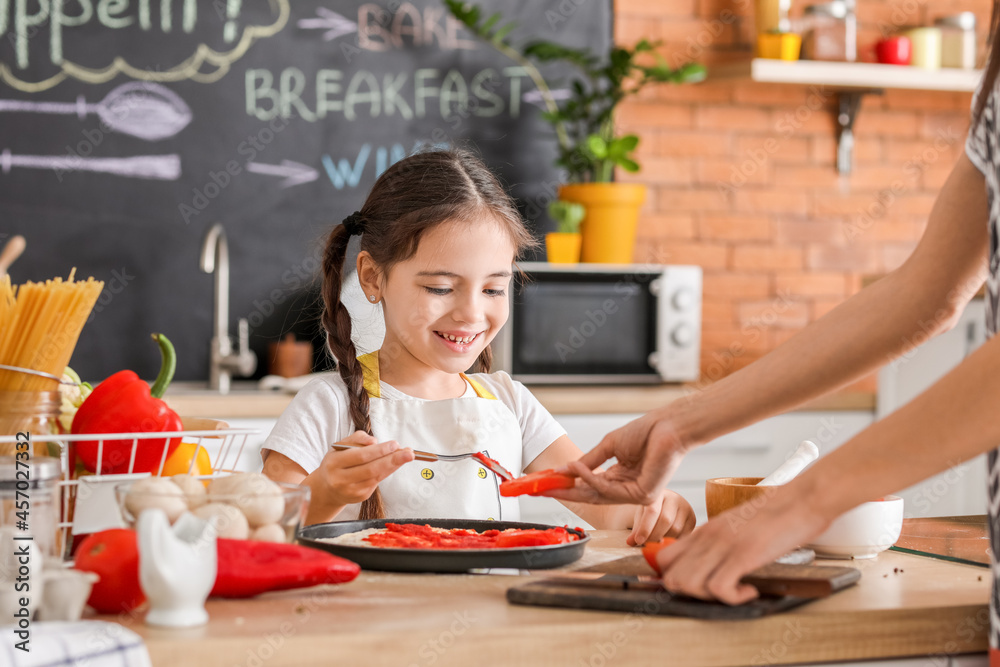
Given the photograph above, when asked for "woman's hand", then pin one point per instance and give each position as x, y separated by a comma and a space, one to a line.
669, 515
349, 476
709, 563
648, 451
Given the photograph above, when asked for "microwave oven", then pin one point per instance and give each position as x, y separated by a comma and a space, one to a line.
602, 323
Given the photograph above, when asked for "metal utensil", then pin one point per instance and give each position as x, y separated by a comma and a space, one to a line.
29, 371
419, 455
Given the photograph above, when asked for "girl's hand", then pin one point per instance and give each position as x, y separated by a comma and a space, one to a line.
350, 476
669, 515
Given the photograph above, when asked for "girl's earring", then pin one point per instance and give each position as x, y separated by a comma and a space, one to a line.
371, 297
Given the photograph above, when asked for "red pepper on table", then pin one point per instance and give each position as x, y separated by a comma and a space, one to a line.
124, 403
245, 568
248, 568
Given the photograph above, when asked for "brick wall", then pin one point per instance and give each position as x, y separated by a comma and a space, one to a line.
742, 178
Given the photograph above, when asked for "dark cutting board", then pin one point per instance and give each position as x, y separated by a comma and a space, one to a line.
611, 594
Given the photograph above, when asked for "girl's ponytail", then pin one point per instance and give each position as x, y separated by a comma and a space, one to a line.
337, 324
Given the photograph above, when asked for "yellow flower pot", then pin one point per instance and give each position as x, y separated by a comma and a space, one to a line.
609, 227
779, 45
563, 248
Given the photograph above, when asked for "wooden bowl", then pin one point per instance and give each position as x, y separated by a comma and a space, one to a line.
723, 493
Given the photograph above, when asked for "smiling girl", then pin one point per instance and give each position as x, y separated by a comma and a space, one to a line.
439, 237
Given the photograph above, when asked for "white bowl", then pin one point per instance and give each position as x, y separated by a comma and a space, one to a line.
862, 532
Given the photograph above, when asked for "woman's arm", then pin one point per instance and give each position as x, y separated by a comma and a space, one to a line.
951, 422
920, 299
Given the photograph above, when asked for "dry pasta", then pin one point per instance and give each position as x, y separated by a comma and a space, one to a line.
40, 324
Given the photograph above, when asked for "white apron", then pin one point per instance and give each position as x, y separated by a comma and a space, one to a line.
444, 490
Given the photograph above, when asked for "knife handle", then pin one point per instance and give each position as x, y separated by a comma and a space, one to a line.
801, 581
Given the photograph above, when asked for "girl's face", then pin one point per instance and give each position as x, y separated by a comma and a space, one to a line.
445, 304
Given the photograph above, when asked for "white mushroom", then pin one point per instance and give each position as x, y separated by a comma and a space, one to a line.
272, 532
229, 522
259, 498
193, 488
156, 492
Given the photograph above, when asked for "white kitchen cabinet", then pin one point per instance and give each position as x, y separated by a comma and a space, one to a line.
245, 456
962, 489
750, 452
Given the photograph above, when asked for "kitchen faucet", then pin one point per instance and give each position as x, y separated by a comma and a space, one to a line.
223, 364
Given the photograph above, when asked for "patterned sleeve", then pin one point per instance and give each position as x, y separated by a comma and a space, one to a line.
981, 142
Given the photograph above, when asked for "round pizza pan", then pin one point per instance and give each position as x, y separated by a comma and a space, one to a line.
443, 560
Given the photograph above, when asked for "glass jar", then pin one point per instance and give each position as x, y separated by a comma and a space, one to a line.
958, 40
829, 32
926, 41
27, 420
29, 500
34, 412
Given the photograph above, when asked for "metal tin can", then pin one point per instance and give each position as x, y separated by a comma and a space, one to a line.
958, 40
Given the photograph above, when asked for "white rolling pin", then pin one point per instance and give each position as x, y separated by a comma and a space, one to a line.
806, 453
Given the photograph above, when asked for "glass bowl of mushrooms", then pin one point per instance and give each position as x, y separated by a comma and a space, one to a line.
241, 505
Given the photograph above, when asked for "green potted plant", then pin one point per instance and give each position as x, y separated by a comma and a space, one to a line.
563, 245
589, 145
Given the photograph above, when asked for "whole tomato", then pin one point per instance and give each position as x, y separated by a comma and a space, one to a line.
114, 556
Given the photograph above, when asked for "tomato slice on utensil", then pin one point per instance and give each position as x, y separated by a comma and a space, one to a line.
650, 549
537, 483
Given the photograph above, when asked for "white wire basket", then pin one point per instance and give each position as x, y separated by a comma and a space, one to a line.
224, 446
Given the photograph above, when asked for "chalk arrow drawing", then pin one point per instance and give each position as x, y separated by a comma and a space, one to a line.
141, 109
149, 167
294, 173
334, 24
535, 96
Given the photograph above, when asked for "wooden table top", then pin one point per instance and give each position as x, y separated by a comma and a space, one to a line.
904, 605
247, 402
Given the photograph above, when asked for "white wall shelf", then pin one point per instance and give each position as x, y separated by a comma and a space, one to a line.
851, 81
849, 76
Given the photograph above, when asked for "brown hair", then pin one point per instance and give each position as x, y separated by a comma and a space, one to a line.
992, 66
412, 196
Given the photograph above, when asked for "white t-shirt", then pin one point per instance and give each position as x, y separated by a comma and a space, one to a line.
318, 416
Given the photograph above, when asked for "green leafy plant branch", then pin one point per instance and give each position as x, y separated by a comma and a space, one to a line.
589, 149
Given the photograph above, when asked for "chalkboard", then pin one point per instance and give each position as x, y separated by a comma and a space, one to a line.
129, 127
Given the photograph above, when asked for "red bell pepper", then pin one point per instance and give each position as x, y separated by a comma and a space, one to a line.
248, 568
537, 483
126, 404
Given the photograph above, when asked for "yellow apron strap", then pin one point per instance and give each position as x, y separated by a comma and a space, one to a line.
481, 391
369, 366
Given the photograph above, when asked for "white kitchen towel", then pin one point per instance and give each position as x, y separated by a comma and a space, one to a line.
74, 644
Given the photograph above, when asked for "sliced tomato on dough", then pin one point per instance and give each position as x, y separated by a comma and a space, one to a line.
650, 549
537, 483
533, 538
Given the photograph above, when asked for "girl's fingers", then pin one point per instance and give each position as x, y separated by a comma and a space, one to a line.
373, 472
644, 527
356, 456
